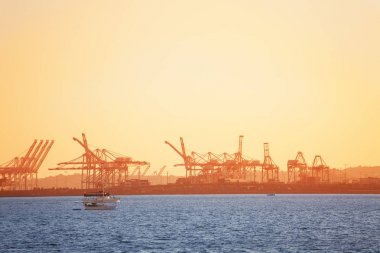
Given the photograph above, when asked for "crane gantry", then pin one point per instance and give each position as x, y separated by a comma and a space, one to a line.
300, 172
212, 167
21, 173
269, 169
100, 167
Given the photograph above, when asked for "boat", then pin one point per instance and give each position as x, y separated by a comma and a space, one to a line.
271, 194
100, 201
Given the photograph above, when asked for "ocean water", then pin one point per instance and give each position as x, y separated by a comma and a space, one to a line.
194, 223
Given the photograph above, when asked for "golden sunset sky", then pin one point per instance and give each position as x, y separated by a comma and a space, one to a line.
301, 75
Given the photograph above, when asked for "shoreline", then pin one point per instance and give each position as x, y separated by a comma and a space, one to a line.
176, 189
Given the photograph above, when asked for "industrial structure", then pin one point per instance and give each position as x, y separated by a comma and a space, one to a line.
137, 173
157, 175
269, 169
145, 170
135, 170
213, 168
299, 172
297, 169
21, 173
160, 171
320, 171
102, 168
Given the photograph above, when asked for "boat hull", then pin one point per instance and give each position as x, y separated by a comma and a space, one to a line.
100, 207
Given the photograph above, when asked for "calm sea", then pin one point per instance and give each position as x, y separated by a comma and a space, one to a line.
194, 223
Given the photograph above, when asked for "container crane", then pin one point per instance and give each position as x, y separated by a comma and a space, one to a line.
269, 172
297, 169
213, 168
20, 172
134, 171
145, 171
319, 170
100, 167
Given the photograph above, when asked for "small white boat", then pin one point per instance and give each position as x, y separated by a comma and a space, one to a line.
100, 201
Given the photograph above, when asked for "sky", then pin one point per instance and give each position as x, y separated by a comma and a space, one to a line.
301, 75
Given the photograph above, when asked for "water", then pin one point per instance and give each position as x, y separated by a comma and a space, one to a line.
194, 223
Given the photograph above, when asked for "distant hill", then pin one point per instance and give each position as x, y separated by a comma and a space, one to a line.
74, 181
61, 181
363, 172
347, 175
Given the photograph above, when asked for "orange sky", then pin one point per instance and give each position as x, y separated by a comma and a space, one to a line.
301, 75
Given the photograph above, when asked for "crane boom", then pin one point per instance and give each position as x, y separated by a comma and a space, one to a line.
161, 170
27, 154
145, 171
176, 150
88, 150
84, 140
134, 171
183, 147
35, 160
30, 161
186, 160
43, 156
240, 151
239, 155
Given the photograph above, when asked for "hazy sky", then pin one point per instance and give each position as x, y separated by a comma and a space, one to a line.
301, 75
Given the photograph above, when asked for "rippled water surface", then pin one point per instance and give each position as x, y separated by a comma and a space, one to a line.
194, 223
